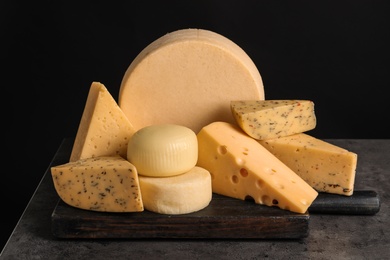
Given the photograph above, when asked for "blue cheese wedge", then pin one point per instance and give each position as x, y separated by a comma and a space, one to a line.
105, 183
265, 119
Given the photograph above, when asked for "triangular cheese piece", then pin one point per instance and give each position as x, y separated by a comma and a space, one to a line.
104, 183
242, 168
325, 166
104, 129
264, 119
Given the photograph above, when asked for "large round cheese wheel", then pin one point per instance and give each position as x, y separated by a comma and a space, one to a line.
188, 77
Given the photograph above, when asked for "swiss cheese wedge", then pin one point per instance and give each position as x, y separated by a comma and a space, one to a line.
188, 77
242, 168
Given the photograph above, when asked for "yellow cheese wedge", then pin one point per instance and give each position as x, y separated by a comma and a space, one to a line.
181, 194
108, 184
163, 150
104, 129
264, 119
325, 166
242, 168
188, 77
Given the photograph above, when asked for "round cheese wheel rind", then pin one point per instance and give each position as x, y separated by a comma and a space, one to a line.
188, 77
185, 193
163, 150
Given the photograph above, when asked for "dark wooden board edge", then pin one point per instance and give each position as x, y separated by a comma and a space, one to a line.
223, 218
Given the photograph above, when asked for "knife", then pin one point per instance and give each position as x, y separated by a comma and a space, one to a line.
362, 202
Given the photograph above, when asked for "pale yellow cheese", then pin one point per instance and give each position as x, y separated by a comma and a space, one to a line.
242, 168
264, 119
104, 129
108, 184
181, 194
324, 166
163, 150
188, 77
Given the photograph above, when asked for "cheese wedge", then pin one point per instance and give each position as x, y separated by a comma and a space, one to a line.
104, 129
181, 194
324, 166
188, 77
242, 168
265, 119
108, 184
163, 150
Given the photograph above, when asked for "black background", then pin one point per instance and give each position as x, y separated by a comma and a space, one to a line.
335, 53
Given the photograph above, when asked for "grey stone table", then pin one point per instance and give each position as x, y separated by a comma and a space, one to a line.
330, 236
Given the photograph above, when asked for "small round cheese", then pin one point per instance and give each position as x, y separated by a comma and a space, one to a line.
185, 193
188, 77
163, 150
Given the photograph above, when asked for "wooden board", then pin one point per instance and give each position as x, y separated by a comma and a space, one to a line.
224, 218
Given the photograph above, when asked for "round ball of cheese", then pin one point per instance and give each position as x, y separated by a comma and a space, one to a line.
163, 150
185, 193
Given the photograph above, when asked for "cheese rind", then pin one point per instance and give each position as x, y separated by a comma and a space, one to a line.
104, 129
265, 119
181, 194
242, 168
188, 77
108, 184
324, 166
163, 150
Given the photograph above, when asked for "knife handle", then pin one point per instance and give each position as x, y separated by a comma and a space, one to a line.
362, 202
